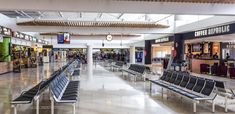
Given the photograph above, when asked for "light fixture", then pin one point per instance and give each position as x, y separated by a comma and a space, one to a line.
109, 37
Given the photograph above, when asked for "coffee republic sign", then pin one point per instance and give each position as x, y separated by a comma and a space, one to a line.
212, 31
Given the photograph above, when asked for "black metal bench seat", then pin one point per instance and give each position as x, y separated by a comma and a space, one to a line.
191, 87
118, 65
33, 94
135, 70
64, 91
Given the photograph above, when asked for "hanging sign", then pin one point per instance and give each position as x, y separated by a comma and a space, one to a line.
21, 36
16, 34
160, 40
6, 31
212, 31
34, 39
26, 37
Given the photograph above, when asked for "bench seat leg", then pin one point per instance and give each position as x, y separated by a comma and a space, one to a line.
213, 106
37, 107
14, 109
194, 106
226, 104
52, 106
74, 108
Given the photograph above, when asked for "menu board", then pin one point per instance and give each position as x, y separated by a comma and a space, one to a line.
196, 48
206, 48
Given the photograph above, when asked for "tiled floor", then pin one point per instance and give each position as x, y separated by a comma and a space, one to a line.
103, 93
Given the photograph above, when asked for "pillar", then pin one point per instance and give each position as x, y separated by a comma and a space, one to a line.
5, 49
89, 60
148, 52
132, 54
143, 59
179, 47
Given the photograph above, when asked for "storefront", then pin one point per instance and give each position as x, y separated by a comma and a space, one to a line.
47, 53
60, 55
211, 50
160, 51
24, 51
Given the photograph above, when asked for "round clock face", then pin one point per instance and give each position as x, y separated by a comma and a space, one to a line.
109, 37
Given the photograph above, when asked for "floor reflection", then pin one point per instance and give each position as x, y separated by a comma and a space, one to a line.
104, 92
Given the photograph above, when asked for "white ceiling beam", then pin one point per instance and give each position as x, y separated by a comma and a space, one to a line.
119, 17
156, 22
119, 6
26, 14
61, 15
99, 15
80, 14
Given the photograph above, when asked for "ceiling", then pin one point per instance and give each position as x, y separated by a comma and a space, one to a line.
81, 19
85, 16
188, 1
194, 7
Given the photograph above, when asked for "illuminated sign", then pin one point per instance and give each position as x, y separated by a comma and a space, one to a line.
21, 36
34, 39
6, 31
166, 39
16, 34
212, 31
26, 37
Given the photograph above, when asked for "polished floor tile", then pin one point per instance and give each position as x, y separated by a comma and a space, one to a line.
105, 92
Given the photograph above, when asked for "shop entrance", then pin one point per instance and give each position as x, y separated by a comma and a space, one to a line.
211, 55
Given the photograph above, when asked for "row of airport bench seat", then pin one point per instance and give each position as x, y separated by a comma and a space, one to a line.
136, 70
192, 87
118, 65
64, 91
33, 94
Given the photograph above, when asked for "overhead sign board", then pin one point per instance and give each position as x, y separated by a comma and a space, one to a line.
160, 40
6, 31
212, 31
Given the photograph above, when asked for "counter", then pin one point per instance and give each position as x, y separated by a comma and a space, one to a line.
195, 63
6, 67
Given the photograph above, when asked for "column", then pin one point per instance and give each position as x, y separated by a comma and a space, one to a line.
4, 49
143, 59
132, 54
179, 47
89, 60
148, 52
